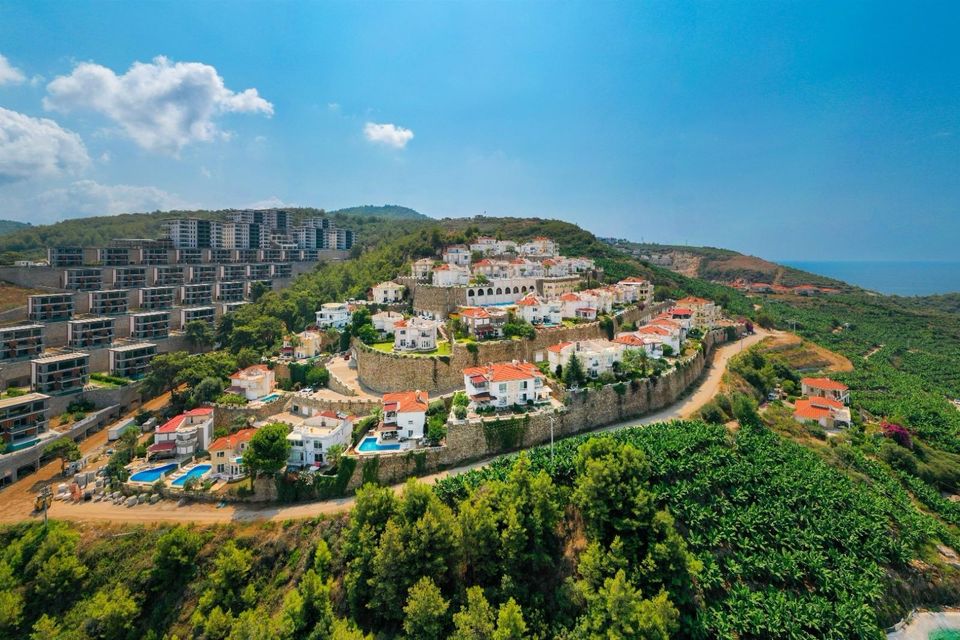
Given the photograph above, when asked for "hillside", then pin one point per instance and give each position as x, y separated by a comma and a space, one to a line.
31, 242
721, 265
9, 226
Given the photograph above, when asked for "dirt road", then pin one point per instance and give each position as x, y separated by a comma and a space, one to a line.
168, 511
16, 501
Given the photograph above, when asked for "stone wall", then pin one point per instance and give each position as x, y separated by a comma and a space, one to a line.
356, 406
584, 410
385, 372
224, 415
393, 468
439, 302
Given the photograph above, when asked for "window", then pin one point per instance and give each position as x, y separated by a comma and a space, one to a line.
317, 444
409, 433
503, 388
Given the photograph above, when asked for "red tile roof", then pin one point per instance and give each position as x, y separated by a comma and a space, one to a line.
681, 311
505, 371
199, 411
171, 425
256, 368
407, 401
648, 329
693, 300
529, 300
630, 340
233, 440
560, 346
824, 383
804, 410
474, 312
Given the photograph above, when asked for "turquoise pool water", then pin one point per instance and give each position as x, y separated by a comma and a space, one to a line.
270, 398
197, 472
153, 474
370, 444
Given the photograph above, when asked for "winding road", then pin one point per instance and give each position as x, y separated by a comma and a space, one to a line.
12, 509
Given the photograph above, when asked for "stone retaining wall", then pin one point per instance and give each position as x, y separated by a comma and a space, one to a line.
385, 372
224, 415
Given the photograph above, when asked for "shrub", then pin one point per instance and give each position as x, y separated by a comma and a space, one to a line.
897, 433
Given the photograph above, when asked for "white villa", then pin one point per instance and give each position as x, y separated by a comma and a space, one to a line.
484, 322
827, 412
538, 311
540, 247
307, 344
388, 293
415, 334
334, 315
183, 435
226, 454
505, 384
385, 321
654, 348
490, 246
450, 275
825, 388
311, 440
254, 382
457, 254
422, 269
404, 416
596, 356
640, 290
575, 306
706, 313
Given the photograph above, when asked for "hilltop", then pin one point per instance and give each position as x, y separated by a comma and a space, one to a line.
9, 226
720, 265
27, 241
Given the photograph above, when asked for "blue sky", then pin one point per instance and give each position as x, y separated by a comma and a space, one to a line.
788, 130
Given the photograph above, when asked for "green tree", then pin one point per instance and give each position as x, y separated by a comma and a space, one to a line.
425, 614
199, 334
620, 612
573, 373
231, 568
174, 557
65, 449
510, 622
268, 450
110, 614
475, 621
46, 628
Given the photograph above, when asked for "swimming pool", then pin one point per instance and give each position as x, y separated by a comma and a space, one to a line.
270, 398
197, 472
369, 445
153, 474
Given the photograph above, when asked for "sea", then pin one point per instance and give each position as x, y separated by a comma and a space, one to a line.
917, 278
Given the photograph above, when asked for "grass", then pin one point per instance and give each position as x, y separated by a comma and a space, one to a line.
443, 349
12, 296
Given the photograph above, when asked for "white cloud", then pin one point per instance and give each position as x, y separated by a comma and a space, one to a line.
8, 73
273, 202
161, 105
89, 198
388, 134
37, 147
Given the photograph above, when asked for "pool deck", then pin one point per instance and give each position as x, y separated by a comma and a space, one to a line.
923, 623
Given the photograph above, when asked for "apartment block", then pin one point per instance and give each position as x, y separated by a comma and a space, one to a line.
270, 218
231, 291
258, 271
196, 294
157, 297
271, 255
89, 333
155, 255
189, 314
130, 277
167, 275
228, 307
245, 255
60, 374
21, 342
193, 233
281, 270
89, 279
131, 360
23, 418
50, 307
108, 302
188, 256
202, 273
217, 256
117, 256
149, 325
309, 255
233, 272
65, 256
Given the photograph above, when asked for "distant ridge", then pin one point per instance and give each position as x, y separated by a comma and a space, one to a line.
9, 226
394, 211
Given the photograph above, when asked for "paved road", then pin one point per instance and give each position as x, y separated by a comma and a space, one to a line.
168, 511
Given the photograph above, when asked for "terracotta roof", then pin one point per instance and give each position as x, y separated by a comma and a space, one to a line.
529, 300
443, 267
560, 346
681, 311
474, 312
256, 368
171, 425
824, 383
660, 331
825, 403
630, 340
168, 445
803, 409
570, 297
694, 300
634, 280
505, 371
407, 401
199, 411
233, 440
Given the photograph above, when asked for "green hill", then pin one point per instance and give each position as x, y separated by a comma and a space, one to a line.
9, 226
389, 211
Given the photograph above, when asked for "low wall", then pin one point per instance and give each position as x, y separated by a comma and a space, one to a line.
224, 415
355, 406
584, 410
393, 468
385, 372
